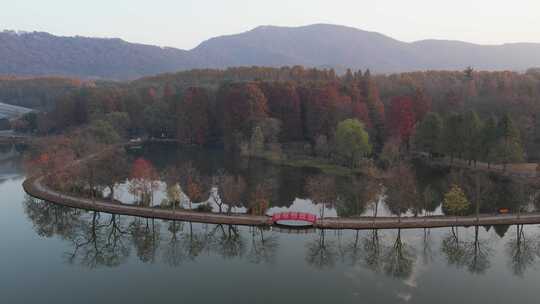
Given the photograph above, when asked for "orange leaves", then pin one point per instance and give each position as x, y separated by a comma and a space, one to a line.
243, 105
400, 120
144, 180
143, 169
193, 117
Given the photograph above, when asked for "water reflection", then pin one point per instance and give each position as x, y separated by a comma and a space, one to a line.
473, 254
210, 180
10, 166
98, 242
101, 240
523, 251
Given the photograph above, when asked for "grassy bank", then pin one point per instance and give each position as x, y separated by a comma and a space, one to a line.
302, 161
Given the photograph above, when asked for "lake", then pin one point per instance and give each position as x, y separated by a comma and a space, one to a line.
60, 255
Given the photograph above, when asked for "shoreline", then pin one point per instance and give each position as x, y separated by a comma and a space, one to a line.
34, 187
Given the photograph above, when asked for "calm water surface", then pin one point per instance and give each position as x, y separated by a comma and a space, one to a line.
51, 254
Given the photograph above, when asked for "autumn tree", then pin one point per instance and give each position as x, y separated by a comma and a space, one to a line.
375, 107
193, 117
53, 157
400, 119
231, 191
111, 169
244, 105
193, 184
360, 111
285, 105
402, 191
260, 199
390, 155
143, 181
320, 106
421, 104
455, 202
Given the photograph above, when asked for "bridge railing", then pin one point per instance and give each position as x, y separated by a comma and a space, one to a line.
294, 216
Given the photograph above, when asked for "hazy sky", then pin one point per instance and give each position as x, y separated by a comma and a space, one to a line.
186, 23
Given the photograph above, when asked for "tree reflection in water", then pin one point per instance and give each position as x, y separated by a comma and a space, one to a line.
370, 251
103, 240
479, 255
522, 251
50, 219
320, 252
473, 254
173, 253
263, 249
146, 237
228, 242
100, 243
399, 259
372, 254
427, 248
453, 248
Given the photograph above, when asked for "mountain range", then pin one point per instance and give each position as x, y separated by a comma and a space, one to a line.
318, 45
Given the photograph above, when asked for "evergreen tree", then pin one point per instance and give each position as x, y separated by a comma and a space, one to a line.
453, 136
375, 109
428, 133
473, 130
509, 147
489, 140
455, 202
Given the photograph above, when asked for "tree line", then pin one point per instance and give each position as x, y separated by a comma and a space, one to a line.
466, 136
253, 109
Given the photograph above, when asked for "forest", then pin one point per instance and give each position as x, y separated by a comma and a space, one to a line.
470, 115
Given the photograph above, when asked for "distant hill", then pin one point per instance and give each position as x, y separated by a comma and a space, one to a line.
319, 45
37, 93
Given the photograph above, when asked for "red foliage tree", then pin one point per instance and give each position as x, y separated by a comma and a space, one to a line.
144, 180
361, 112
244, 104
320, 104
284, 104
421, 104
55, 160
401, 120
193, 117
370, 93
